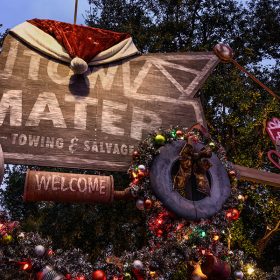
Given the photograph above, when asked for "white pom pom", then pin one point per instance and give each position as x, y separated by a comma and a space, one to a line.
78, 65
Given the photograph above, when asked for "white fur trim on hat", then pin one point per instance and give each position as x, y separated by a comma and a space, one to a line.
48, 45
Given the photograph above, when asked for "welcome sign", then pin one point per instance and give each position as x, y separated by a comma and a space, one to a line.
48, 116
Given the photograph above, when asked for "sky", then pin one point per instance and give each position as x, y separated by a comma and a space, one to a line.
14, 12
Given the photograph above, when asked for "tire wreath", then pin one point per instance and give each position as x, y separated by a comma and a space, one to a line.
162, 184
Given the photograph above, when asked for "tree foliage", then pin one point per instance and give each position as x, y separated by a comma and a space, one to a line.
236, 110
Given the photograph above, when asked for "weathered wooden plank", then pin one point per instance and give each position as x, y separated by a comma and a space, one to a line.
258, 176
50, 117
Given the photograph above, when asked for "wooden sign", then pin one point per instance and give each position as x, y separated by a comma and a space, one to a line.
273, 130
68, 187
50, 117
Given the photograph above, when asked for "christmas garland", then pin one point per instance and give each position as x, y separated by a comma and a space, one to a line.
177, 248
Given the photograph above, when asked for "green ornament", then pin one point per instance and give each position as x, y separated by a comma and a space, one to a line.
127, 276
160, 139
173, 133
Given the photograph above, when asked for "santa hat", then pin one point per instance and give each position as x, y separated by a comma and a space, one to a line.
77, 45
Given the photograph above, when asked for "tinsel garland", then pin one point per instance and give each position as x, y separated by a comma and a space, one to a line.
176, 248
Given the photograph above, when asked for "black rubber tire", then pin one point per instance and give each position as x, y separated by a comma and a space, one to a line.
162, 186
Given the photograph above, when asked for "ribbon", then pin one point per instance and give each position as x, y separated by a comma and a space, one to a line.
192, 163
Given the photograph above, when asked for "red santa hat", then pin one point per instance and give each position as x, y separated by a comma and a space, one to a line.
77, 45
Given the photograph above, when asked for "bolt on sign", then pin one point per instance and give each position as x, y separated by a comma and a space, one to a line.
48, 116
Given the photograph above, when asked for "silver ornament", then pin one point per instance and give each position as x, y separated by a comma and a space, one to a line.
137, 264
238, 275
140, 204
142, 167
40, 250
49, 274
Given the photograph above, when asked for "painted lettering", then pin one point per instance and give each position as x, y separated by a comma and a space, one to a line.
39, 112
110, 118
42, 182
34, 66
139, 122
11, 102
80, 115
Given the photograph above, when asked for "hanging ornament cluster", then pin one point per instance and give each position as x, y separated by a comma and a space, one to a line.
190, 162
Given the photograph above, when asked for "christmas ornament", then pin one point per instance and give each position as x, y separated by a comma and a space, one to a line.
48, 273
99, 275
40, 250
238, 275
160, 139
140, 204
212, 145
7, 239
232, 173
142, 167
215, 268
135, 155
137, 264
148, 203
232, 214
179, 133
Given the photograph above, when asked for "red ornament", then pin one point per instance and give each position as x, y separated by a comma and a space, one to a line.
159, 233
179, 133
68, 276
99, 275
50, 252
148, 203
232, 173
135, 155
232, 214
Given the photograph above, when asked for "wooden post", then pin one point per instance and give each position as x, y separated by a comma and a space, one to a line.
258, 176
76, 10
